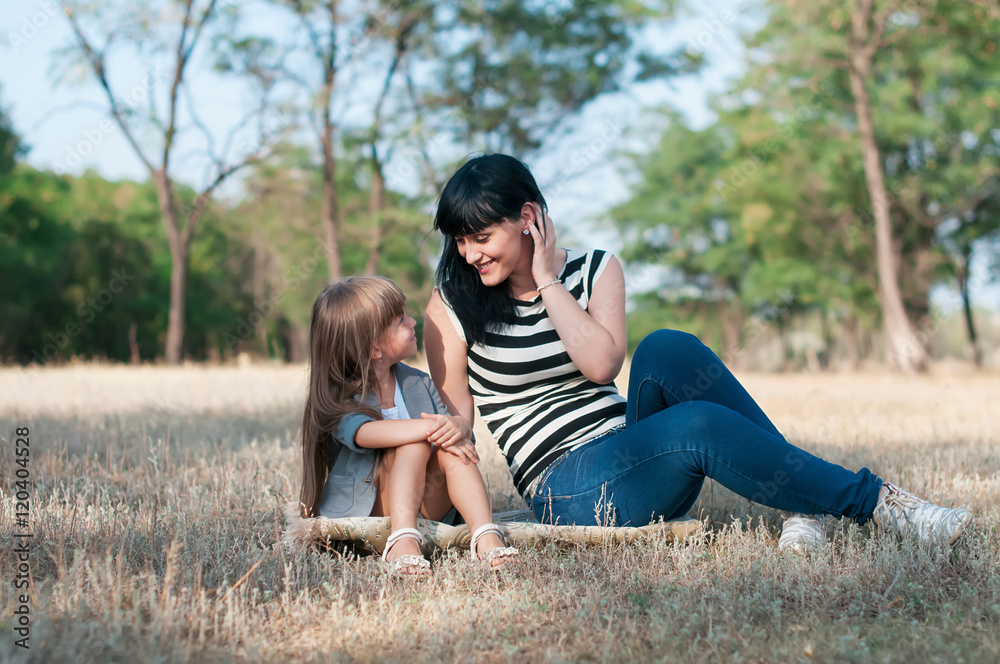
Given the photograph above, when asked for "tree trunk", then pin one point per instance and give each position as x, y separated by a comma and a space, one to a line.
331, 212
376, 203
732, 321
904, 350
174, 346
970, 323
299, 335
376, 199
853, 344
812, 360
783, 324
133, 345
826, 362
174, 350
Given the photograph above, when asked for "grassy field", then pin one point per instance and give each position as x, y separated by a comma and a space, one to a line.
158, 494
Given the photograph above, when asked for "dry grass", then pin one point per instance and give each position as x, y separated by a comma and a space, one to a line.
158, 496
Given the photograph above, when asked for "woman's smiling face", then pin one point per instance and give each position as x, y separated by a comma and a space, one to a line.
495, 251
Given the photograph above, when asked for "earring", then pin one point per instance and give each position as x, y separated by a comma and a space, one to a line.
527, 232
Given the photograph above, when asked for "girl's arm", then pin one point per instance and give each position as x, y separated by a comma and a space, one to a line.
379, 434
447, 359
596, 339
444, 431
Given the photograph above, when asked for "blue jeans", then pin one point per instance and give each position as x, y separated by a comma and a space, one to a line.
688, 418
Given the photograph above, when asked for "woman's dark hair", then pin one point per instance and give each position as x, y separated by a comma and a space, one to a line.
486, 190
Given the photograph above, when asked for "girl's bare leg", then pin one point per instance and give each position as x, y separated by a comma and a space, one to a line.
402, 474
451, 481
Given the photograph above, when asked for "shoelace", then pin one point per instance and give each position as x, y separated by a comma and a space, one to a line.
897, 499
909, 514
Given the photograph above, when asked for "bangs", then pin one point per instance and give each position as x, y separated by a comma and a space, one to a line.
388, 300
474, 216
469, 205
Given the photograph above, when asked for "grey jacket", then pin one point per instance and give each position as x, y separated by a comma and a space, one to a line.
349, 490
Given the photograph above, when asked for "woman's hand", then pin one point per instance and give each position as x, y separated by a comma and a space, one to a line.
543, 232
447, 430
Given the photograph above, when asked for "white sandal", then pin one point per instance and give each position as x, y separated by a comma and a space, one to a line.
494, 553
420, 565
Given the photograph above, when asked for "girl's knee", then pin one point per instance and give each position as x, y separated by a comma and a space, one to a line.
409, 453
447, 461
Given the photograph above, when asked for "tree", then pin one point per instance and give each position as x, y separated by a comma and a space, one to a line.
284, 258
866, 37
10, 144
789, 172
320, 20
919, 130
976, 221
950, 178
171, 32
85, 269
455, 76
507, 74
677, 219
817, 42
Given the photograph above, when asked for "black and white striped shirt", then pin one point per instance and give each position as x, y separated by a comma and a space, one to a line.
531, 395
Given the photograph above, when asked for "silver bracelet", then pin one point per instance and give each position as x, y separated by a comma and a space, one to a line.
551, 283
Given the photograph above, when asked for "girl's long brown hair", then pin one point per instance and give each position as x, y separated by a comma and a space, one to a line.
347, 318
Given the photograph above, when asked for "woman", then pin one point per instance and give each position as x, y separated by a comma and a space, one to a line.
533, 335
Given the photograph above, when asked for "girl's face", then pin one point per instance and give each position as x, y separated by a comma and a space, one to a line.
398, 341
496, 251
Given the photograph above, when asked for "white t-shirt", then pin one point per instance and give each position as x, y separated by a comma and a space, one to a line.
397, 412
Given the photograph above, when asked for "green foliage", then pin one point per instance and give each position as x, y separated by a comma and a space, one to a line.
764, 213
84, 265
283, 251
10, 144
507, 73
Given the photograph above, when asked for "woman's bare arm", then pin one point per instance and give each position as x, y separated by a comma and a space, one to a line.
596, 339
447, 359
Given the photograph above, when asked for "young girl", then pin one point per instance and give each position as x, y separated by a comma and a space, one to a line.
376, 438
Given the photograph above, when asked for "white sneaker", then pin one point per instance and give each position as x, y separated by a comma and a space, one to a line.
908, 515
802, 533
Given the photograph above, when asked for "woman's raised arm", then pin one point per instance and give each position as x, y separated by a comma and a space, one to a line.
447, 359
596, 339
